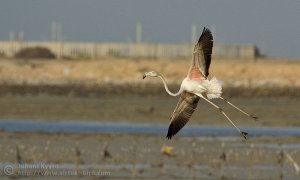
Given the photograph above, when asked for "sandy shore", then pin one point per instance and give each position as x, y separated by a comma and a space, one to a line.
248, 78
107, 69
245, 72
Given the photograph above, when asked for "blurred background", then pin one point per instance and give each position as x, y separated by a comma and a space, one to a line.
72, 95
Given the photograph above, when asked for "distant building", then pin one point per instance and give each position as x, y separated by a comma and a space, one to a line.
142, 50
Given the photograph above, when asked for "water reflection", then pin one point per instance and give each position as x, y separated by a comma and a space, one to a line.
129, 128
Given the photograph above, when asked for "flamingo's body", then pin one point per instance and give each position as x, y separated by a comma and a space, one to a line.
212, 88
195, 85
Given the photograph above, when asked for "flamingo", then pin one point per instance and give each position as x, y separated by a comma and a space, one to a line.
195, 86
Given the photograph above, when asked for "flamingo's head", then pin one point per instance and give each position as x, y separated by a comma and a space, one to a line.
150, 73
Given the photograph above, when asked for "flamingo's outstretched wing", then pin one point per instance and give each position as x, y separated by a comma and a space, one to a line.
185, 107
202, 55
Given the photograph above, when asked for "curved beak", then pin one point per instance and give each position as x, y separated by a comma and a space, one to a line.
144, 76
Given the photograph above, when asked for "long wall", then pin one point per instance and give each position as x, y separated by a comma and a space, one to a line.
97, 50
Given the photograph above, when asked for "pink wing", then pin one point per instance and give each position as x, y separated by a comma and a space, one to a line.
202, 56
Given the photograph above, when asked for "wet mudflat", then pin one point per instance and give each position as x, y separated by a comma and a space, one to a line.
141, 156
272, 111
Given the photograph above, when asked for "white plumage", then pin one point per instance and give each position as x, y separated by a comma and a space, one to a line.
214, 88
195, 86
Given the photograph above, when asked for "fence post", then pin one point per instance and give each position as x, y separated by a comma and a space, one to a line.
250, 154
223, 158
281, 163
133, 170
77, 158
18, 155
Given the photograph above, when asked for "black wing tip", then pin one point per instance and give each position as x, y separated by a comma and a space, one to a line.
205, 30
169, 137
244, 135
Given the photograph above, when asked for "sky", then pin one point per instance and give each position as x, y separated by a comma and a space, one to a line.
273, 25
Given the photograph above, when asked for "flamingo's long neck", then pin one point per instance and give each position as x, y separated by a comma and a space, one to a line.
167, 89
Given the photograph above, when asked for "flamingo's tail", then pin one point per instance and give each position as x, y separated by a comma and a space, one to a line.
214, 88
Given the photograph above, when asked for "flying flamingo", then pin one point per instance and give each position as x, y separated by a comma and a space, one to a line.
195, 85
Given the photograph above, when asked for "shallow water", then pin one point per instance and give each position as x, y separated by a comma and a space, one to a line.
130, 128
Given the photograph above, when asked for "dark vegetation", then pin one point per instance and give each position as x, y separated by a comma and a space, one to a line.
35, 53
